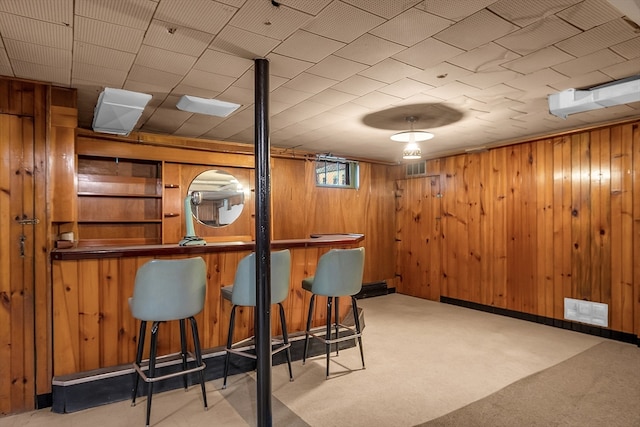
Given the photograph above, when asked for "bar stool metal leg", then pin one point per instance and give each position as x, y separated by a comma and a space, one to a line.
306, 334
152, 366
227, 357
183, 351
356, 320
328, 338
336, 321
198, 355
285, 339
136, 378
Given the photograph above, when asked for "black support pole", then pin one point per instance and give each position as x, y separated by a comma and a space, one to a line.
263, 243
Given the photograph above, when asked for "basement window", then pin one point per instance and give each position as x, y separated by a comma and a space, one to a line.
336, 172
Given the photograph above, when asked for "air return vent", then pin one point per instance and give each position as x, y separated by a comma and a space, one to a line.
593, 313
416, 169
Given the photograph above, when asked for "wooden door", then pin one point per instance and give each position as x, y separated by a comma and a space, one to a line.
419, 237
17, 266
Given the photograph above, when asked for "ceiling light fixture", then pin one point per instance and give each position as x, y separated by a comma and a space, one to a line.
411, 137
211, 107
117, 110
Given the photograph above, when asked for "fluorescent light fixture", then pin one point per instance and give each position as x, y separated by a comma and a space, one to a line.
573, 101
118, 110
211, 107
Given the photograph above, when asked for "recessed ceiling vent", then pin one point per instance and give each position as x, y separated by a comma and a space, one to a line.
118, 111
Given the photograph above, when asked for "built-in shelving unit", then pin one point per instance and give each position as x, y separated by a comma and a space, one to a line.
119, 201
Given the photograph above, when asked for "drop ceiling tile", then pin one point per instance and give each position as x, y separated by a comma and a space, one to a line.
537, 79
592, 62
203, 15
384, 8
165, 60
369, 49
289, 96
389, 71
130, 13
175, 38
311, 83
210, 81
451, 91
154, 76
358, 85
158, 93
589, 14
5, 65
538, 35
95, 73
196, 125
605, 35
623, 69
342, 22
305, 110
584, 81
102, 56
476, 30
243, 43
543, 58
629, 49
483, 58
454, 10
38, 54
108, 35
441, 74
485, 79
29, 70
238, 95
166, 119
308, 47
34, 31
312, 7
286, 67
332, 97
376, 100
404, 88
274, 22
336, 68
497, 94
526, 12
410, 27
222, 63
427, 53
54, 11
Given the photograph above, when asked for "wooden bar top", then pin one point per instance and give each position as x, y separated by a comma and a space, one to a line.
175, 249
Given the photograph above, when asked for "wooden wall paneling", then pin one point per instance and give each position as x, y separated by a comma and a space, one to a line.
62, 165
529, 232
434, 240
600, 255
411, 247
627, 228
89, 304
65, 318
297, 303
402, 233
473, 186
461, 225
498, 227
581, 213
6, 247
288, 208
616, 317
109, 314
173, 222
128, 327
449, 264
543, 180
636, 225
514, 229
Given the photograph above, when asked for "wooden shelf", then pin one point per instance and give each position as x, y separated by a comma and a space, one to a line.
120, 221
119, 195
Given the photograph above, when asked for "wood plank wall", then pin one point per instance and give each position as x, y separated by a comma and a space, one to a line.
525, 226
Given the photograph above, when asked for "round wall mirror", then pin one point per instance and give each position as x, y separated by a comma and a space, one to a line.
217, 198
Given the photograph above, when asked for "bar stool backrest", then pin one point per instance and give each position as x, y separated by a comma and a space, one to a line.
244, 284
169, 289
339, 272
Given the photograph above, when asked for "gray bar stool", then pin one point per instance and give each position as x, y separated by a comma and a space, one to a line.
243, 293
166, 290
339, 273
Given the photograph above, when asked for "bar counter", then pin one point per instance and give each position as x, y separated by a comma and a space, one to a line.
93, 327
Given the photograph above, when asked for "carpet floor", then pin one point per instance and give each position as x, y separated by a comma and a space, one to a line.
427, 364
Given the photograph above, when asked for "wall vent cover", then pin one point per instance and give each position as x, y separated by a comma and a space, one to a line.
416, 169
